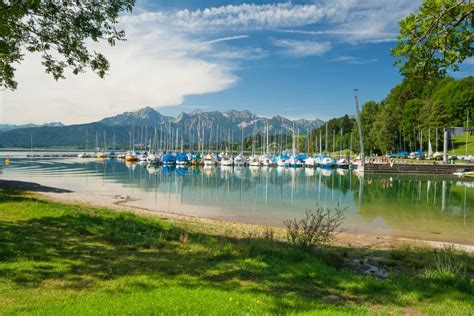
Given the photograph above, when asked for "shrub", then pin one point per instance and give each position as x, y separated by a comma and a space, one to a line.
447, 264
317, 228
269, 234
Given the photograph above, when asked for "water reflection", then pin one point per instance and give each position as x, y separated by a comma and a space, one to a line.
430, 207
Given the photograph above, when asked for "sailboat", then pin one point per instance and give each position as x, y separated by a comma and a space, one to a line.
169, 159
343, 164
240, 159
282, 160
327, 163
430, 148
210, 160
182, 159
84, 154
153, 158
310, 162
196, 159
102, 154
131, 156
226, 160
265, 160
253, 161
293, 160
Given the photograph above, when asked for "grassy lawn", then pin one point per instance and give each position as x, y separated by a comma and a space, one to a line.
66, 259
460, 145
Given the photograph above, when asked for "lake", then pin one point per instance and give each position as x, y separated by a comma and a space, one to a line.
438, 208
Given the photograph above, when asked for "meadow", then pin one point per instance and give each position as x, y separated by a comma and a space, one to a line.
67, 259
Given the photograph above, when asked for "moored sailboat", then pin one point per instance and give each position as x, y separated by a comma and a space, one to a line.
131, 156
210, 160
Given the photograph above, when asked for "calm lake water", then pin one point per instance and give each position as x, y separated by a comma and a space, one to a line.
435, 208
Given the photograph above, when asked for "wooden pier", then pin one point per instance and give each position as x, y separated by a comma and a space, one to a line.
418, 168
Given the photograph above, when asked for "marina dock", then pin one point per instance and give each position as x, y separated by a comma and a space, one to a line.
418, 168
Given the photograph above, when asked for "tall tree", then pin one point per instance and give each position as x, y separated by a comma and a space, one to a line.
456, 97
58, 31
368, 116
386, 128
437, 37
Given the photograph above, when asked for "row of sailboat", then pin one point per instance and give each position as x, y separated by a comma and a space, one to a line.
287, 158
227, 159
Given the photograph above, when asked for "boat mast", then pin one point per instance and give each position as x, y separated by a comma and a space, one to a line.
315, 142
177, 138
253, 142
217, 139
267, 141
326, 149
467, 129
168, 143
320, 140
340, 145
351, 143
281, 137
242, 138
293, 140
210, 140
421, 139
105, 143
359, 124
333, 141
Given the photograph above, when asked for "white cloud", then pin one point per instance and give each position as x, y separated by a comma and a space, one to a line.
375, 20
228, 38
349, 20
303, 48
154, 67
351, 35
353, 60
250, 16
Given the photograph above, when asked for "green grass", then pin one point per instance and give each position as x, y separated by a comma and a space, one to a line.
460, 145
74, 260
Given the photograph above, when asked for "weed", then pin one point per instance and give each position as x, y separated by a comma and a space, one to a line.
317, 228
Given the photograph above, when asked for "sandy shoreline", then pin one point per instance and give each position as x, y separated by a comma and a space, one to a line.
213, 225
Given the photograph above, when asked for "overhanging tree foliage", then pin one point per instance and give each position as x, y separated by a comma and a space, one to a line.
438, 37
58, 30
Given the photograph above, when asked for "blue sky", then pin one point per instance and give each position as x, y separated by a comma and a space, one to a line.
309, 86
300, 59
314, 80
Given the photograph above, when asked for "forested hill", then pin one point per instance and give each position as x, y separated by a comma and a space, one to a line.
409, 114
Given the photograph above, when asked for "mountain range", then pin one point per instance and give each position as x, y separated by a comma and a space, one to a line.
9, 127
138, 127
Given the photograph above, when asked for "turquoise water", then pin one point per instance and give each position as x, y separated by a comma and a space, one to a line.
435, 208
